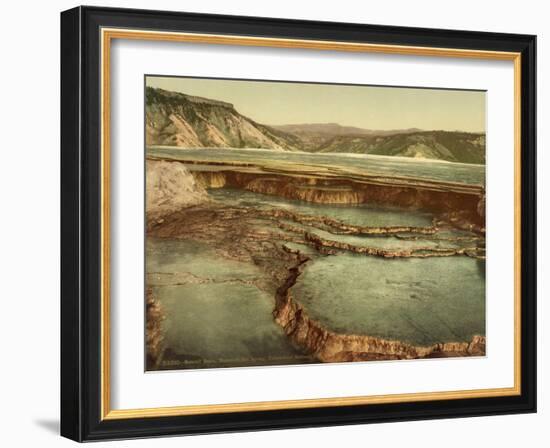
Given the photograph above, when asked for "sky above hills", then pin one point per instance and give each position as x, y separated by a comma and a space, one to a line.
370, 107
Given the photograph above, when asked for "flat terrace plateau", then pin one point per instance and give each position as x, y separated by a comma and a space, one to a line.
392, 167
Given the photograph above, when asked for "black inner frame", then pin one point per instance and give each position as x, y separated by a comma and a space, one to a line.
81, 223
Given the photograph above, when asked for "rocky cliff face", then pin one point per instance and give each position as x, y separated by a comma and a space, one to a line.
176, 119
438, 197
153, 330
170, 187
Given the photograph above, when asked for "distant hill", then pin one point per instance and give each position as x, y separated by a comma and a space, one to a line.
333, 129
176, 119
461, 147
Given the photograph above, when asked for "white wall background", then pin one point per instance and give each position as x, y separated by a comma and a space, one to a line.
29, 228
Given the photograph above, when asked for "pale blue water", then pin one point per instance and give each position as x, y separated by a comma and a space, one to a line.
218, 317
419, 301
369, 164
354, 214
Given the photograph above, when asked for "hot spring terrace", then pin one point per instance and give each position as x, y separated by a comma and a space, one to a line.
438, 187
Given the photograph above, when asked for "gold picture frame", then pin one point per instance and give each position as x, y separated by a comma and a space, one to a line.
118, 26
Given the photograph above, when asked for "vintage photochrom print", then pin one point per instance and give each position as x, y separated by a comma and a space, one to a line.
294, 223
275, 224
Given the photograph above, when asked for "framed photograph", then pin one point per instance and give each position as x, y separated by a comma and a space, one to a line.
273, 223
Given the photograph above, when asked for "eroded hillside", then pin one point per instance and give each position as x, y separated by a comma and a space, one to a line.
176, 119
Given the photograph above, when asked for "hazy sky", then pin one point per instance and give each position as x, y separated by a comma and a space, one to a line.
379, 108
